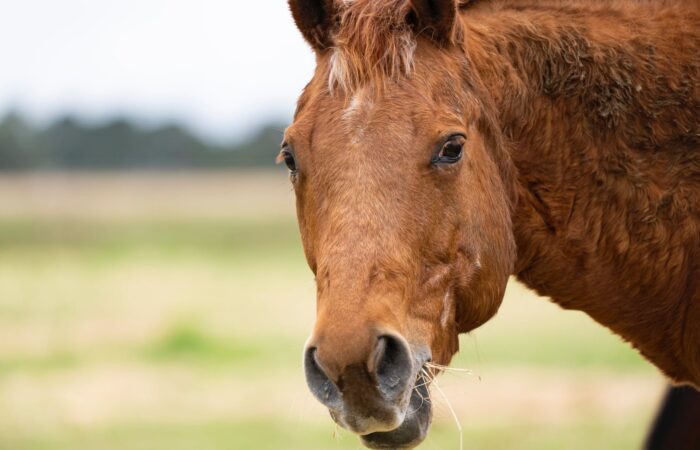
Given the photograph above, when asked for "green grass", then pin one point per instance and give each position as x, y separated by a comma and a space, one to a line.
52, 361
581, 346
184, 345
107, 241
189, 342
192, 346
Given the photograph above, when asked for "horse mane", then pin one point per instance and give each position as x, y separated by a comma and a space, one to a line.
374, 41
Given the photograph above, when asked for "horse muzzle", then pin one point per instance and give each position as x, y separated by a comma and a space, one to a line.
383, 398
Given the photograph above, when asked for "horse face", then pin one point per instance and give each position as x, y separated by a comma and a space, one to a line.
404, 216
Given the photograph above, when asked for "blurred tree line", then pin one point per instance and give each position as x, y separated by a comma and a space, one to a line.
68, 144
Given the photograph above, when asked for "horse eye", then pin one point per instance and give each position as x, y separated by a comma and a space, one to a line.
452, 150
287, 156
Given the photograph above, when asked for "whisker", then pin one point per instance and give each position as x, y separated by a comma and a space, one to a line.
448, 369
426, 380
422, 397
423, 402
410, 412
425, 383
429, 375
454, 415
452, 370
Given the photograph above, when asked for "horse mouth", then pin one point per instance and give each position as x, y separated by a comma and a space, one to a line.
415, 426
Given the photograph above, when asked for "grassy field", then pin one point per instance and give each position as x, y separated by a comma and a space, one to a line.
169, 311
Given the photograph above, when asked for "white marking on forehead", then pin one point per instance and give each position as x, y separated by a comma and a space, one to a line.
356, 115
360, 103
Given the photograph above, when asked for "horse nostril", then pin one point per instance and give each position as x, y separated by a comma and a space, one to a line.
319, 383
392, 366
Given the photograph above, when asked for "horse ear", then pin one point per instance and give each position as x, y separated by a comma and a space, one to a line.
314, 19
435, 18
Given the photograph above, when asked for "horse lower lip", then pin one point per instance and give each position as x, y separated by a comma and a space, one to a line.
414, 427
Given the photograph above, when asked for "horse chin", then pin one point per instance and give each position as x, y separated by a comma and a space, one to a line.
414, 428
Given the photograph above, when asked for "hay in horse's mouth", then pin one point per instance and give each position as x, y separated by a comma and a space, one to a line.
415, 426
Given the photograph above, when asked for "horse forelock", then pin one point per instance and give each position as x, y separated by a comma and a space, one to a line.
373, 43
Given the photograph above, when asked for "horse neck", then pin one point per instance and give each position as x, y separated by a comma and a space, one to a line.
601, 109
586, 100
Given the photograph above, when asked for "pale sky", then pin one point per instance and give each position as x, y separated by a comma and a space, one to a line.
218, 66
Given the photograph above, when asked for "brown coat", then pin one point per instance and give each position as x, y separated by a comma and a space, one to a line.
601, 103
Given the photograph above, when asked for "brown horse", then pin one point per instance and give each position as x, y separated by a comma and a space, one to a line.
443, 146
